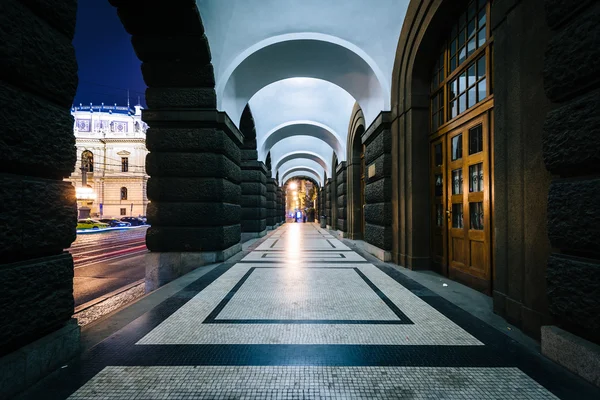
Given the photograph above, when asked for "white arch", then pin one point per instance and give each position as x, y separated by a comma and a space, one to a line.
298, 174
295, 170
309, 155
301, 128
309, 55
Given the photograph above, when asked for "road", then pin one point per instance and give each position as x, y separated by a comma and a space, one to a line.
107, 261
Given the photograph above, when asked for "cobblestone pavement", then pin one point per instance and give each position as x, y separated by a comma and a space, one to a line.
303, 316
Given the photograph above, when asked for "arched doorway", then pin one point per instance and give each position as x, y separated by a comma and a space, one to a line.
356, 175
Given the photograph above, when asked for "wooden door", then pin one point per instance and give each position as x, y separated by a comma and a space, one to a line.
439, 224
468, 204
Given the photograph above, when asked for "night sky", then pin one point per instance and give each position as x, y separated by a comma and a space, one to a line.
108, 65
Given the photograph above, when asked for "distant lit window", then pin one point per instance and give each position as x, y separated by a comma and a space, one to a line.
87, 161
123, 193
124, 164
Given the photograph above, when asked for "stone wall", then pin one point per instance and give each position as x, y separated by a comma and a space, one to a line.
271, 202
341, 201
571, 151
327, 212
38, 80
378, 161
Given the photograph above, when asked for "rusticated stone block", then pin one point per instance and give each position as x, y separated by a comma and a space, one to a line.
196, 214
160, 18
379, 214
571, 135
178, 74
207, 165
40, 143
251, 155
342, 201
251, 213
28, 230
255, 225
253, 175
383, 168
36, 297
379, 236
193, 190
254, 188
253, 200
379, 191
191, 140
573, 57
26, 61
558, 11
342, 225
379, 145
574, 215
159, 97
194, 239
341, 189
151, 48
574, 295
60, 14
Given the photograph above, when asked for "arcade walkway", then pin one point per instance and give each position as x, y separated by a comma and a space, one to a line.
301, 315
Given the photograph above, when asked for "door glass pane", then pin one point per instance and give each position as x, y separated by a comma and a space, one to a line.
481, 37
452, 89
481, 90
438, 154
472, 76
475, 139
457, 181
462, 103
457, 147
457, 215
476, 215
471, 28
471, 47
481, 18
439, 215
439, 185
476, 178
481, 67
472, 97
453, 109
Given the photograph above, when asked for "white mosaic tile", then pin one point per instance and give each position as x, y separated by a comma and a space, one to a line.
299, 257
305, 243
311, 382
430, 327
306, 293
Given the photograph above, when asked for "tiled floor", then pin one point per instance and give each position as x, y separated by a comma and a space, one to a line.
303, 316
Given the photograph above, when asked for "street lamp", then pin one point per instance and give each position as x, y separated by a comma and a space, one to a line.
293, 185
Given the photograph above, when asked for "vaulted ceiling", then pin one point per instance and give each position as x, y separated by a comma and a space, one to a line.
301, 66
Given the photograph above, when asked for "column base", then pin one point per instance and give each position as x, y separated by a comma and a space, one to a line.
383, 255
252, 235
572, 352
163, 267
340, 234
23, 368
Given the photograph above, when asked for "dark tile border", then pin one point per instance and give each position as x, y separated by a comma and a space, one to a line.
498, 351
212, 318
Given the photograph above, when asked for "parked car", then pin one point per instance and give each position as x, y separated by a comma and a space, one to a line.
89, 223
134, 221
115, 223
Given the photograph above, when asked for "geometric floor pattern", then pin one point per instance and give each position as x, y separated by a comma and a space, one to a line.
303, 316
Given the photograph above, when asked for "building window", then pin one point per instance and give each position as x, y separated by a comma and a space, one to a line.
123, 193
124, 164
123, 211
87, 161
459, 78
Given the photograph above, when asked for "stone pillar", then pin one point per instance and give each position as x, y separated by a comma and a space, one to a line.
341, 202
194, 159
254, 199
195, 191
378, 191
271, 203
571, 152
280, 205
328, 203
38, 212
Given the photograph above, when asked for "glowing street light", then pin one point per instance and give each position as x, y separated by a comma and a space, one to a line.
293, 185
85, 193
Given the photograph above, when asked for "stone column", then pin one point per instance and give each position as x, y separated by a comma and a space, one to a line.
254, 198
341, 202
328, 202
271, 203
195, 191
38, 212
571, 152
378, 191
280, 205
